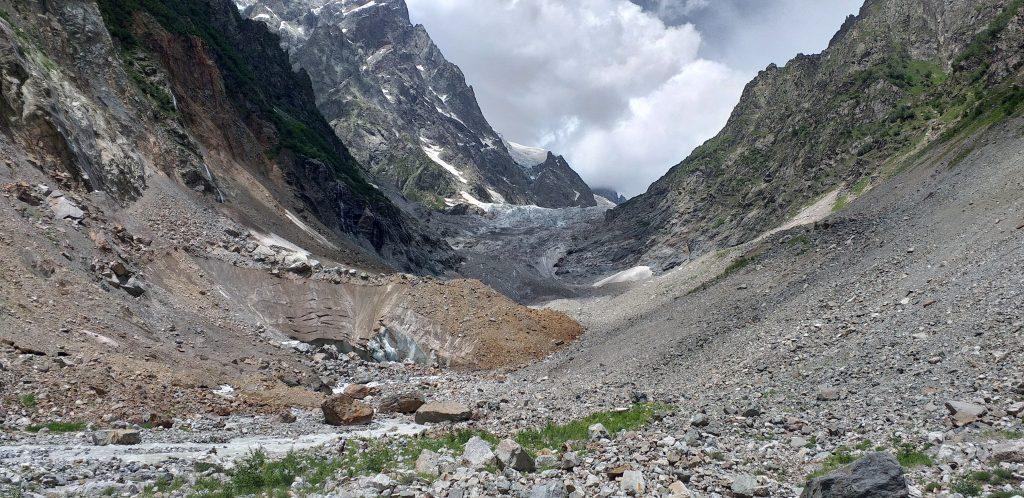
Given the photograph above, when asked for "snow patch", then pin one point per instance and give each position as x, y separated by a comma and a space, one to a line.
366, 5
498, 198
635, 274
604, 202
434, 153
309, 230
525, 156
276, 241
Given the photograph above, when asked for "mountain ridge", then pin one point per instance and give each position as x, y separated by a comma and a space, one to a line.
895, 79
407, 112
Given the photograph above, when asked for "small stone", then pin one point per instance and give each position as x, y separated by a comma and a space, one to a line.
964, 413
633, 483
550, 489
597, 431
570, 460
746, 486
679, 490
286, 416
699, 420
827, 393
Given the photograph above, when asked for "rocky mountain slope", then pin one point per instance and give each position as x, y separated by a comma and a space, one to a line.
175, 214
899, 78
405, 111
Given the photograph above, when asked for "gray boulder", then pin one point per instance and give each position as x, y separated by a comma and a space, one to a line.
478, 453
550, 489
511, 455
877, 475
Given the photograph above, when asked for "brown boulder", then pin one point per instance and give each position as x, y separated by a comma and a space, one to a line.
346, 410
359, 391
406, 403
443, 412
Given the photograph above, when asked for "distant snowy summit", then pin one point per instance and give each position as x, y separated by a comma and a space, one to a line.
405, 112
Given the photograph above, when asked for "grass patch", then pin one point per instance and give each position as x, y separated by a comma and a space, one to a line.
910, 457
555, 435
58, 427
29, 401
840, 457
966, 487
861, 185
841, 202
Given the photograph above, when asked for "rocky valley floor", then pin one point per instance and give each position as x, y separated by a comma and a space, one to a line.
893, 325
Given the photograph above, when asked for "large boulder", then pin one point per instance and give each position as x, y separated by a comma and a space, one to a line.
477, 453
124, 437
407, 402
1011, 452
432, 413
359, 391
428, 463
877, 475
346, 410
511, 455
964, 413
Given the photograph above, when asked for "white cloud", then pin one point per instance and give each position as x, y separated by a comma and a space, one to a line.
621, 94
660, 129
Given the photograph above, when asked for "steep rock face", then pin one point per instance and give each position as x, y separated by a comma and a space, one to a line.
234, 89
897, 78
405, 111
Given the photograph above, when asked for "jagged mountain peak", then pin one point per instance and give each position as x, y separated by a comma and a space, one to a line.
405, 111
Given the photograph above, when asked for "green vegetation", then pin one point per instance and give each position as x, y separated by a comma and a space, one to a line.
257, 474
910, 457
58, 427
737, 265
841, 202
982, 46
163, 486
861, 185
840, 457
555, 435
973, 483
5, 16
29, 400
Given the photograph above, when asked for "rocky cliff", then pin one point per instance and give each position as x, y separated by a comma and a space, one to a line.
405, 111
225, 80
897, 79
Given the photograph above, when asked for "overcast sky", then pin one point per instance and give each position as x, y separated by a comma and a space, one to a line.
625, 89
